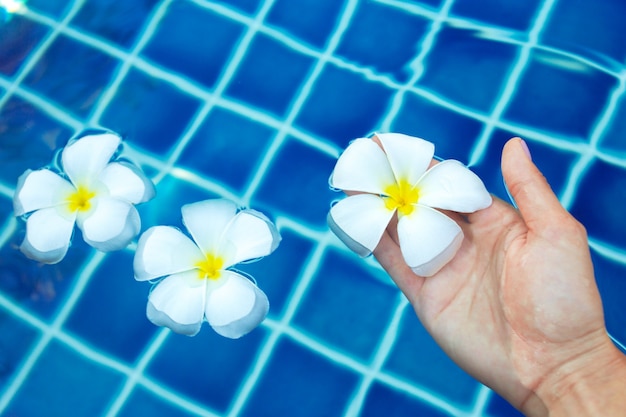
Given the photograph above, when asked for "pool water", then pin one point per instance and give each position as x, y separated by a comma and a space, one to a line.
254, 100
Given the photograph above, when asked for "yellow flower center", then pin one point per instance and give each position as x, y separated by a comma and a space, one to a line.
210, 267
401, 196
80, 200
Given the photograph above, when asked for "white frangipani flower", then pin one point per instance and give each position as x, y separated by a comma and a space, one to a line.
395, 179
198, 282
91, 192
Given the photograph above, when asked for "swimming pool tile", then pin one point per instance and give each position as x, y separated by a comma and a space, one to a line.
296, 184
453, 133
143, 403
346, 306
612, 285
613, 139
18, 38
467, 69
71, 74
246, 6
299, 383
416, 357
602, 23
227, 146
383, 400
277, 274
557, 94
149, 112
516, 15
116, 21
499, 407
270, 75
63, 384
207, 367
383, 38
16, 340
555, 164
54, 8
29, 139
194, 41
343, 105
111, 312
600, 201
309, 20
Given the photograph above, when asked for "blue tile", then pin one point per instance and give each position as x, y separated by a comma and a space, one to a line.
246, 6
453, 134
116, 21
29, 139
54, 8
417, 358
227, 147
309, 20
277, 274
207, 367
16, 338
65, 384
343, 105
111, 312
386, 401
346, 306
18, 38
516, 15
72, 74
612, 285
175, 43
6, 208
467, 69
603, 23
299, 383
613, 141
41, 289
600, 202
499, 407
296, 184
144, 403
557, 96
383, 38
270, 75
149, 112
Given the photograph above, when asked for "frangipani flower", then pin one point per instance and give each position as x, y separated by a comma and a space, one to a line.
395, 179
91, 192
198, 282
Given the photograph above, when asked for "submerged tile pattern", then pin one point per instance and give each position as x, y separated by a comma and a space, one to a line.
253, 100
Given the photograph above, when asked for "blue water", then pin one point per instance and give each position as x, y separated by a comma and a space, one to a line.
253, 100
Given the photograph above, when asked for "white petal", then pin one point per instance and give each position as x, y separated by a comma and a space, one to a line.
363, 167
84, 158
252, 235
127, 182
178, 302
359, 221
408, 156
48, 234
450, 185
236, 307
40, 189
428, 240
110, 225
207, 220
164, 250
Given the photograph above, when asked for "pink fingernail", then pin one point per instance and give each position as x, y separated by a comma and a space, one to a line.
525, 147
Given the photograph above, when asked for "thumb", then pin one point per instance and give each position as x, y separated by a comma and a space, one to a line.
535, 199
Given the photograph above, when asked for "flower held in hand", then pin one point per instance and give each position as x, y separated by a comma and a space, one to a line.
92, 192
198, 280
395, 179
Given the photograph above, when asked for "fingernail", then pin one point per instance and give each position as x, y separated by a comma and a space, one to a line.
526, 150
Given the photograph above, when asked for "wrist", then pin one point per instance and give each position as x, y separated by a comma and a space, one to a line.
591, 384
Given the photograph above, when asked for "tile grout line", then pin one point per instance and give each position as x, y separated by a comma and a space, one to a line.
510, 86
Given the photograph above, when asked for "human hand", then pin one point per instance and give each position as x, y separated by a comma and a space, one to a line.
518, 307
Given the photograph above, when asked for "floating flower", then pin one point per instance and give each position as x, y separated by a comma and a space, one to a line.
91, 192
394, 179
198, 280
